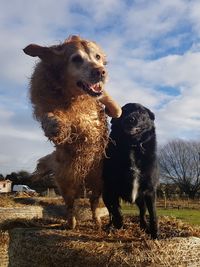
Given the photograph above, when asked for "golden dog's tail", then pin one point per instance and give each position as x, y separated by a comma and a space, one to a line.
46, 165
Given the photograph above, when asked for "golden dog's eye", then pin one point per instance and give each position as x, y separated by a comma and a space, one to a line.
98, 57
77, 59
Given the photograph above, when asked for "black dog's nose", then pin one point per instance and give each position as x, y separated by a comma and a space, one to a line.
98, 73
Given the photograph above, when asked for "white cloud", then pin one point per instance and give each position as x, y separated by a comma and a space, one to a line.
138, 80
21, 154
193, 15
20, 130
179, 117
172, 70
22, 144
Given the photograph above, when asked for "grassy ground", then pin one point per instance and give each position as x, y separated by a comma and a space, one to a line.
191, 216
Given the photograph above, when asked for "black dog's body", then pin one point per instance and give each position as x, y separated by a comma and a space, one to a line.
130, 169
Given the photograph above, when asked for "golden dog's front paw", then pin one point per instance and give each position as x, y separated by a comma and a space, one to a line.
57, 131
112, 108
50, 125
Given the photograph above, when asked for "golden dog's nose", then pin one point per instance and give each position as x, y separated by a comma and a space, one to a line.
98, 73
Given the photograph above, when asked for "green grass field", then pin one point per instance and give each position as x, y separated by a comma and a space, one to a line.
190, 216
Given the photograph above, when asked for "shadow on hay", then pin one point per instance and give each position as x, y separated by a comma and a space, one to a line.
39, 248
50, 210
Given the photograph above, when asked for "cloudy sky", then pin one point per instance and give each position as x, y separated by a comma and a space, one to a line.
153, 49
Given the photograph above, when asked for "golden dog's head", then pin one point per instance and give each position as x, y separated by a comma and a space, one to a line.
78, 62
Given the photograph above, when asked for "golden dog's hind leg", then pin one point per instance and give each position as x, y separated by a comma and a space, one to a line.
94, 202
68, 190
94, 183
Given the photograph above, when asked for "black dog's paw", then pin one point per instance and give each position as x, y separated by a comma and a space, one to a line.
155, 235
109, 228
117, 222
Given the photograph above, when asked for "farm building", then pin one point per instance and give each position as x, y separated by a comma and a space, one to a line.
5, 186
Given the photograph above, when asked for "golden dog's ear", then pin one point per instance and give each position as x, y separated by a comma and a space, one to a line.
111, 107
73, 38
35, 50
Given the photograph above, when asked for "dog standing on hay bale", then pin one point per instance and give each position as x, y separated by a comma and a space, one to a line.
130, 169
68, 97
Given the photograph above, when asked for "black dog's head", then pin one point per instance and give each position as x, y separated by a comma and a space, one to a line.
135, 120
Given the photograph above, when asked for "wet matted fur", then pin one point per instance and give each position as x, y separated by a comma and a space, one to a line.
130, 169
68, 98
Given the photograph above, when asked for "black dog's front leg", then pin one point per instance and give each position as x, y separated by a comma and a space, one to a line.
140, 201
111, 202
150, 200
117, 218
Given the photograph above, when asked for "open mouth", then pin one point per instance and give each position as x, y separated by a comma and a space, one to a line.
92, 89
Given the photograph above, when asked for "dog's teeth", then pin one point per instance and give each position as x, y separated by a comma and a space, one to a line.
92, 89
100, 85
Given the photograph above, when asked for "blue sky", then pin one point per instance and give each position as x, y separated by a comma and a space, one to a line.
153, 50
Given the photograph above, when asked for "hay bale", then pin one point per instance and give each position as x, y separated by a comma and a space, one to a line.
83, 212
4, 245
28, 212
179, 246
49, 210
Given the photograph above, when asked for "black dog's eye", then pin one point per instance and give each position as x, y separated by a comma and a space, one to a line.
77, 59
98, 57
130, 120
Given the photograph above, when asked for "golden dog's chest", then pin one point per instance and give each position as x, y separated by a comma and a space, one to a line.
88, 126
88, 118
85, 122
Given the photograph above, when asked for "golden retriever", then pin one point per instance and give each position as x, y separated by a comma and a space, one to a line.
68, 98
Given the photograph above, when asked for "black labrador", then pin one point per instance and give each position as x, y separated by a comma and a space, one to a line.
130, 168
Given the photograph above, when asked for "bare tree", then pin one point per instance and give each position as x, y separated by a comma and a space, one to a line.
180, 163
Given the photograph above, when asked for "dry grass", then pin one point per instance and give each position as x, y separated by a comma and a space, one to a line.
19, 201
47, 243
169, 228
8, 202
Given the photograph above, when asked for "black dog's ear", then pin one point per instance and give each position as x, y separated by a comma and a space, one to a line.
151, 114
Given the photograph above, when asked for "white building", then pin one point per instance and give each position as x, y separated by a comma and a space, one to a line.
5, 186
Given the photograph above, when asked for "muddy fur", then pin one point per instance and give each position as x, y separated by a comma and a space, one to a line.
69, 100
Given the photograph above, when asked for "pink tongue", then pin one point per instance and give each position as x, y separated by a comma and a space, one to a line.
96, 88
